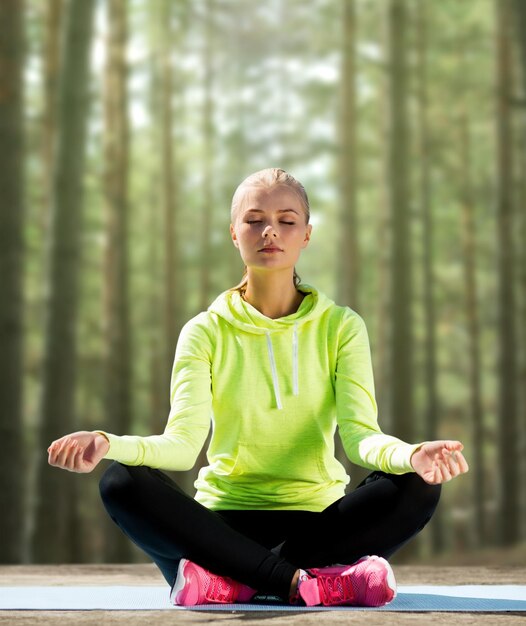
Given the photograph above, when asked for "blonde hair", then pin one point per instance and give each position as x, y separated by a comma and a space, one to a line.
269, 178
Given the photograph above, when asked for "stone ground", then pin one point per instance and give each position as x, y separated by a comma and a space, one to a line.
147, 574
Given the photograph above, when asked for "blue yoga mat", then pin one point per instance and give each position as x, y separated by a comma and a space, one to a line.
470, 598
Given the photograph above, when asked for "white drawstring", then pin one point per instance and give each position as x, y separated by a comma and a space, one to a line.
295, 358
294, 365
274, 373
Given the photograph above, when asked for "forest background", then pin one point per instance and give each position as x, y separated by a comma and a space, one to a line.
125, 128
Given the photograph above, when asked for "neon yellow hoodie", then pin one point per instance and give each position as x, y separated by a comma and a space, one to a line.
274, 391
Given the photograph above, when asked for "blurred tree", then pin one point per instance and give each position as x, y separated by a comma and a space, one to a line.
54, 10
12, 463
169, 189
116, 271
239, 109
207, 211
382, 237
208, 157
508, 474
159, 393
237, 140
349, 254
520, 21
428, 248
469, 236
401, 261
173, 284
52, 541
519, 17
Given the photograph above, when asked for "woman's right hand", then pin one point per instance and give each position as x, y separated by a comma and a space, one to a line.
78, 452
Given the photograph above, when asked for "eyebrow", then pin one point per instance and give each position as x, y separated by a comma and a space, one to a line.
279, 211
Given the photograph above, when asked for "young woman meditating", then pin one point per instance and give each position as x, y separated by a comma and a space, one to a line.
274, 365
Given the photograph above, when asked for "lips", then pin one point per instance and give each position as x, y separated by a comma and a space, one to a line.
271, 249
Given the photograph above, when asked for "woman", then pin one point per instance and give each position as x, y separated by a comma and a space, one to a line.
275, 365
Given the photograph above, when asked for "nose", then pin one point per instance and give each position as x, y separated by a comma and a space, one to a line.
268, 229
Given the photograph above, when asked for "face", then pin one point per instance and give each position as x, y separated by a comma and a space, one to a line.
270, 218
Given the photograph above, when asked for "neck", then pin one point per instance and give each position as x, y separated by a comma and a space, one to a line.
274, 295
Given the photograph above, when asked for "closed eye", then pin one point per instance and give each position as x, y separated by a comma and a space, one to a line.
259, 222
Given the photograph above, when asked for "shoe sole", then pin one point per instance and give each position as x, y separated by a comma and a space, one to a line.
390, 580
179, 585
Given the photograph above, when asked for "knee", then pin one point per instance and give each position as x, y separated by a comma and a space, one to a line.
116, 484
422, 494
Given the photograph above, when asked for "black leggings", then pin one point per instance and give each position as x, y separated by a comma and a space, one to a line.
263, 549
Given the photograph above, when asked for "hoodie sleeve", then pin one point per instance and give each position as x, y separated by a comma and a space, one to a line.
190, 413
357, 413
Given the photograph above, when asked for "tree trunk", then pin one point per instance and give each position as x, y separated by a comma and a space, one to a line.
382, 350
159, 394
116, 301
508, 476
208, 157
520, 199
168, 188
401, 296
469, 237
238, 110
520, 21
12, 465
348, 246
346, 125
51, 539
428, 278
54, 15
172, 282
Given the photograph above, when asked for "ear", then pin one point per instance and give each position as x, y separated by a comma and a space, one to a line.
307, 235
233, 235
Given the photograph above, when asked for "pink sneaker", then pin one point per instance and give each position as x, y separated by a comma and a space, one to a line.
369, 581
196, 585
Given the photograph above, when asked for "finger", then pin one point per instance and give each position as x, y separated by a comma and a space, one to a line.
72, 456
51, 457
453, 445
79, 462
58, 450
453, 468
431, 476
59, 445
444, 471
457, 463
437, 478
448, 453
53, 447
63, 451
463, 464
53, 452
452, 464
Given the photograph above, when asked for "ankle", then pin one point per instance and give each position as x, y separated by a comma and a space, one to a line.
294, 585
299, 577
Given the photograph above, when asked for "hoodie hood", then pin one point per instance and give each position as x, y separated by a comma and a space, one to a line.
230, 306
242, 315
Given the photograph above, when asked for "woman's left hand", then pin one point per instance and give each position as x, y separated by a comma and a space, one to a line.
439, 461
